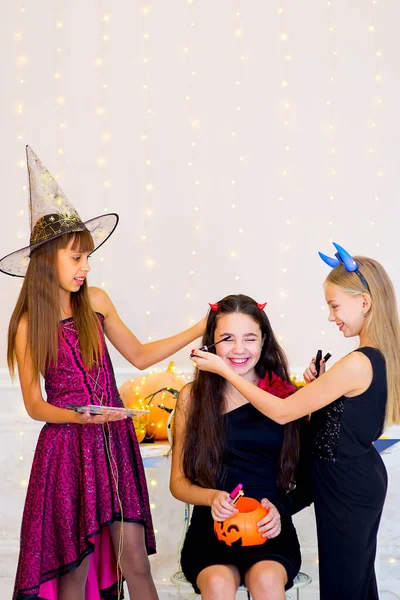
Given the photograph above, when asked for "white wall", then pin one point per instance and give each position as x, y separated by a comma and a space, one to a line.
292, 194
332, 83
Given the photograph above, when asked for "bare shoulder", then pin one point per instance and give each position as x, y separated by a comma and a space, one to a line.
100, 301
357, 363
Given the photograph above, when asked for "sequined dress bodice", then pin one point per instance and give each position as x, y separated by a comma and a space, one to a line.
347, 427
71, 383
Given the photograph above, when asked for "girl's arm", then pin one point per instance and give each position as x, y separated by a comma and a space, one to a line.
186, 491
139, 355
181, 488
350, 376
36, 407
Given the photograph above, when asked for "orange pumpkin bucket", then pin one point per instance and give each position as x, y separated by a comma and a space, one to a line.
241, 529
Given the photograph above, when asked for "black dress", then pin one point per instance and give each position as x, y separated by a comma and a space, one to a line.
349, 487
253, 447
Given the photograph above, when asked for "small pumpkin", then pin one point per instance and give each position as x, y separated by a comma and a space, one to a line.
241, 529
132, 399
157, 392
140, 434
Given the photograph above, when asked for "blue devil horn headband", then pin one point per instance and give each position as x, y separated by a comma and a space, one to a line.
343, 257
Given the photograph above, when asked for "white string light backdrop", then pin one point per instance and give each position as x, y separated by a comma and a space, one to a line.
234, 140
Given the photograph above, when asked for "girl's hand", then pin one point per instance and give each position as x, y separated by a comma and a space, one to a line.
310, 374
203, 324
208, 361
110, 415
221, 509
270, 525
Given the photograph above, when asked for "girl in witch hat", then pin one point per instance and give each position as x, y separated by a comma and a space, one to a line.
351, 405
86, 518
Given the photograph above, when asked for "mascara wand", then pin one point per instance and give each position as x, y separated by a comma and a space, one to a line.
206, 348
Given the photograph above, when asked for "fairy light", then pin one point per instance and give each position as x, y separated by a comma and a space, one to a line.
191, 162
375, 153
21, 58
331, 126
56, 75
240, 158
284, 178
149, 191
101, 66
330, 130
331, 144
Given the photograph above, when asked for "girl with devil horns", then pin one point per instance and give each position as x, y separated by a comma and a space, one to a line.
221, 439
351, 405
87, 518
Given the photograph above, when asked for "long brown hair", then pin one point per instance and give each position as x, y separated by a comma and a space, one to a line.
204, 443
39, 301
382, 321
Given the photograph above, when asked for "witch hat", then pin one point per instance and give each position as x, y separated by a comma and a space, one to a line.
52, 215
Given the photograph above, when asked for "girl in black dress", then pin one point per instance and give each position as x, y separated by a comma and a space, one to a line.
351, 405
220, 440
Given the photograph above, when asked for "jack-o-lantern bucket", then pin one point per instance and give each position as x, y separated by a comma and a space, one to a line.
241, 529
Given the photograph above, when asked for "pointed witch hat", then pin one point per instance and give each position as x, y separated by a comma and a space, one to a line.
52, 215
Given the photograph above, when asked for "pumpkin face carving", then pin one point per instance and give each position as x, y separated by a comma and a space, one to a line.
241, 529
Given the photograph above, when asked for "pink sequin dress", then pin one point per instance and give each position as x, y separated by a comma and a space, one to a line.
72, 493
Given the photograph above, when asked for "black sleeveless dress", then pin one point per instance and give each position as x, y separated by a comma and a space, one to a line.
349, 487
253, 447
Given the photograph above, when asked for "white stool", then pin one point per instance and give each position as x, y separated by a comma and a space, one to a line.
179, 580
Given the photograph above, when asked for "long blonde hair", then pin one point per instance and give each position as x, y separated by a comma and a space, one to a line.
39, 301
382, 321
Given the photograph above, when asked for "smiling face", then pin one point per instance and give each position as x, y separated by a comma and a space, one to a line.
348, 311
242, 352
73, 267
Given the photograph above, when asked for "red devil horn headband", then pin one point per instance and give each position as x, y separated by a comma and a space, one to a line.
214, 307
